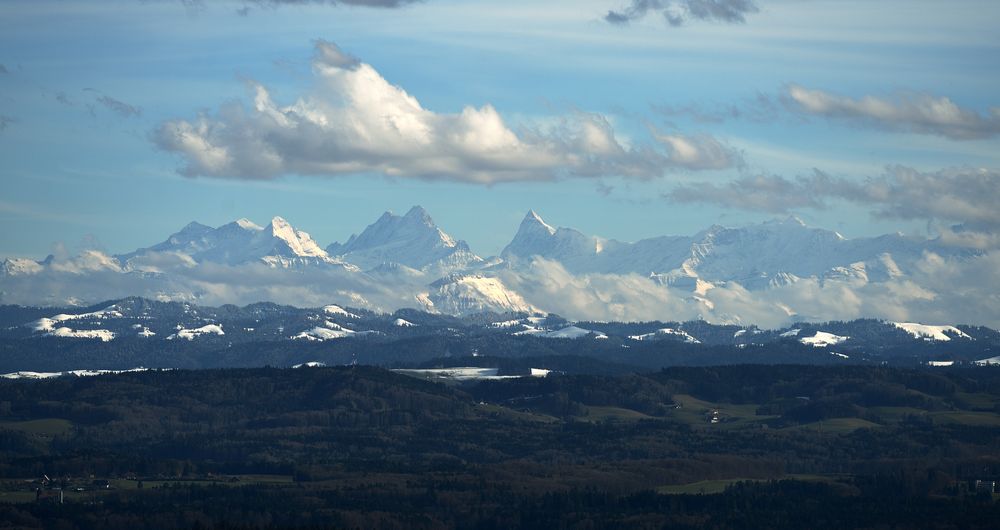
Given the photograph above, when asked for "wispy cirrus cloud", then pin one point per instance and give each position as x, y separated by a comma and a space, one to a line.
915, 113
967, 196
117, 106
355, 121
679, 12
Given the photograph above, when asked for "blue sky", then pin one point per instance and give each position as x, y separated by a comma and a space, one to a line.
87, 89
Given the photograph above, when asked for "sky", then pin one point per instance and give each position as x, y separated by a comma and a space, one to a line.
123, 120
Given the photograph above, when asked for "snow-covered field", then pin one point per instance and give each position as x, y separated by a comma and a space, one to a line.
926, 332
823, 339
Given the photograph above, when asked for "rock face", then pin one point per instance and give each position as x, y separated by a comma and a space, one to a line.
412, 240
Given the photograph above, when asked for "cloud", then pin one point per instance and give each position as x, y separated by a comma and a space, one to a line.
939, 290
120, 107
355, 121
679, 12
936, 290
761, 108
700, 152
361, 3
629, 297
968, 196
765, 193
5, 121
914, 113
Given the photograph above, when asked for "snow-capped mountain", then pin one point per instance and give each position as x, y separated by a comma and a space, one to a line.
16, 266
770, 274
278, 244
467, 294
412, 240
757, 257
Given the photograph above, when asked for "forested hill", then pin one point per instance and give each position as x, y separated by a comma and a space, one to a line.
135, 332
361, 447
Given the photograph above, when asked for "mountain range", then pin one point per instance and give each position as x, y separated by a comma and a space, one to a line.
408, 261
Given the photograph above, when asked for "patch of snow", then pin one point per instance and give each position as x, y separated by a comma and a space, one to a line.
940, 363
101, 334
665, 332
930, 333
791, 333
337, 310
992, 361
540, 372
321, 334
403, 323
841, 355
573, 332
191, 334
458, 373
823, 339
76, 373
506, 324
310, 364
529, 330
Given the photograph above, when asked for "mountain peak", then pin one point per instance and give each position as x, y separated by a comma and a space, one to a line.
532, 219
299, 243
242, 224
412, 240
194, 227
279, 223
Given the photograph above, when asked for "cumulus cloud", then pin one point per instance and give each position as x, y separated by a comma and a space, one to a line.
678, 12
915, 113
355, 121
968, 196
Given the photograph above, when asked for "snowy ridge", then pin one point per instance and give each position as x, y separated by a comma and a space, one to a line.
823, 339
74, 373
667, 332
926, 332
572, 332
51, 326
337, 310
463, 295
191, 334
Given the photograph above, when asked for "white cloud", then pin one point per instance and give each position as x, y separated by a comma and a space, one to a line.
355, 121
699, 152
938, 290
916, 113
